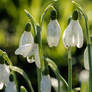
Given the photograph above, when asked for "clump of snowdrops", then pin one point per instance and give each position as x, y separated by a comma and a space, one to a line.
30, 47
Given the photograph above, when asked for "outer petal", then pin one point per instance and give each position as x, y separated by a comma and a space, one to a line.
67, 36
46, 84
78, 34
11, 87
53, 33
25, 50
4, 73
86, 63
37, 58
26, 38
73, 35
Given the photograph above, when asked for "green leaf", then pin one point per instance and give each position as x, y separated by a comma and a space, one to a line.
55, 69
23, 89
20, 71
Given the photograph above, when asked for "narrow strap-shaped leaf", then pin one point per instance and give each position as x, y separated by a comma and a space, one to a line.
55, 69
20, 71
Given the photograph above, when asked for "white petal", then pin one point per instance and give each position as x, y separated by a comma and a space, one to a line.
84, 76
53, 33
30, 60
73, 35
4, 73
25, 50
11, 87
86, 63
46, 84
1, 85
37, 57
78, 34
26, 38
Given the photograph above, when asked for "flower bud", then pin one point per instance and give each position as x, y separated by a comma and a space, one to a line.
28, 27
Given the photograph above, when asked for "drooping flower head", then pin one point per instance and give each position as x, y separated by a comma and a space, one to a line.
5, 79
26, 43
28, 48
73, 35
53, 31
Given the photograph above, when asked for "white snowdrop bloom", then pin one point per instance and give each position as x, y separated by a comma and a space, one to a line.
86, 62
1, 85
4, 74
54, 83
53, 33
46, 84
36, 57
26, 44
73, 35
84, 76
11, 87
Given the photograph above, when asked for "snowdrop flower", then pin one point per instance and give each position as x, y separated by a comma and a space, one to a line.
84, 76
53, 31
4, 74
26, 43
73, 35
5, 79
46, 84
11, 87
28, 48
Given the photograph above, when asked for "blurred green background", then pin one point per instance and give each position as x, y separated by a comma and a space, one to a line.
12, 23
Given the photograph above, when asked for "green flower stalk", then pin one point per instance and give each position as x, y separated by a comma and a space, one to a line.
76, 5
69, 70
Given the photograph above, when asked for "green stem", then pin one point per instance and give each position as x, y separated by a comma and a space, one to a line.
39, 74
45, 11
90, 68
59, 90
69, 70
